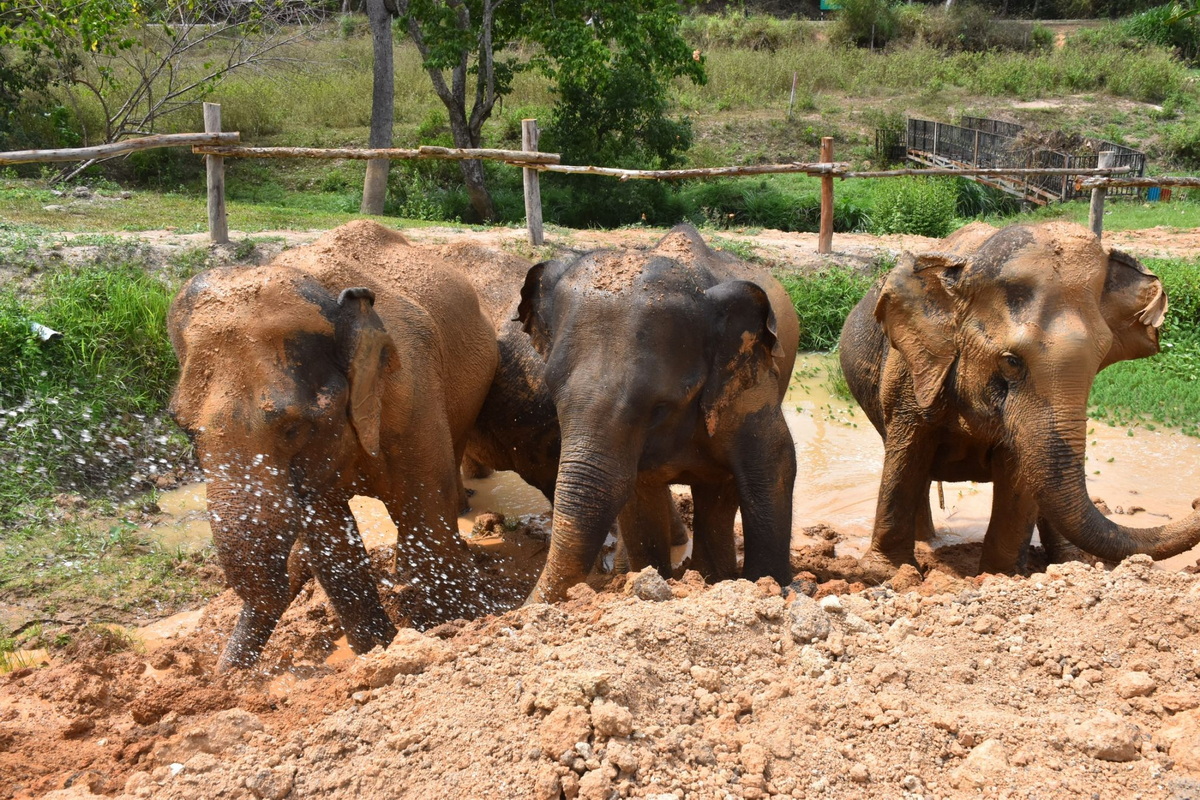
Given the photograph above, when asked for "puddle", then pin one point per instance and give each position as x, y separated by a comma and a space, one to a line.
839, 459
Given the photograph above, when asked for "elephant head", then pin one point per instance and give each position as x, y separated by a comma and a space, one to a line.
1006, 333
279, 389
654, 362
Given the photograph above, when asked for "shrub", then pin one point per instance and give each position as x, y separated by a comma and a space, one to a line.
824, 298
865, 23
744, 31
971, 27
1182, 145
1156, 26
83, 411
921, 206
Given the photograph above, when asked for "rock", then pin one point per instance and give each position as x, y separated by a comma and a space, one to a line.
832, 604
986, 764
1107, 737
1135, 684
900, 630
610, 719
563, 728
754, 759
808, 621
570, 785
410, 653
906, 579
706, 678
82, 192
1174, 702
832, 589
1181, 740
546, 785
595, 785
223, 730
987, 623
812, 662
649, 585
860, 774
271, 784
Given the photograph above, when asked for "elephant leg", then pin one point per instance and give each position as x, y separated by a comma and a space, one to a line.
299, 567
1058, 549
257, 569
903, 490
924, 523
764, 471
646, 528
714, 554
343, 568
1011, 526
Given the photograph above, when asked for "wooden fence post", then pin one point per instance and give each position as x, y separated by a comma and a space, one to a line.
218, 226
825, 237
975, 151
533, 190
1096, 210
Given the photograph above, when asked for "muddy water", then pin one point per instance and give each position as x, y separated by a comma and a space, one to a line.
840, 457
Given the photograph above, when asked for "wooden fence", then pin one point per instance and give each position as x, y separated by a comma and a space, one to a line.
216, 145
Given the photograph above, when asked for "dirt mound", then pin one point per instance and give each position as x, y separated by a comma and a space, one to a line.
1071, 681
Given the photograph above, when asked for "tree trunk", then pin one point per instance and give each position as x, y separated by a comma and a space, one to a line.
383, 93
472, 171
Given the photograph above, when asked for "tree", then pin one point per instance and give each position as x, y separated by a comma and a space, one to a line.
583, 45
383, 104
129, 58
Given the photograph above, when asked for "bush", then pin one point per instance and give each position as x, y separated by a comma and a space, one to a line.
921, 206
744, 31
1182, 145
971, 27
865, 23
823, 300
1155, 27
83, 411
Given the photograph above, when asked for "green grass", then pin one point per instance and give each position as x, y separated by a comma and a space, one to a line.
82, 412
1120, 214
824, 298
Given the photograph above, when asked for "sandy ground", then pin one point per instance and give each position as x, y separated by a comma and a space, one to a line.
1074, 681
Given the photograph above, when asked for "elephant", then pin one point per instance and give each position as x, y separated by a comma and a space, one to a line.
356, 365
974, 363
666, 366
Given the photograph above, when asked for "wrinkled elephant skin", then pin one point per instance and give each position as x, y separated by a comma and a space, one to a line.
354, 366
664, 367
974, 363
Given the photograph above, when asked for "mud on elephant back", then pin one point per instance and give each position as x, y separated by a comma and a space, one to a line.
353, 366
666, 366
974, 362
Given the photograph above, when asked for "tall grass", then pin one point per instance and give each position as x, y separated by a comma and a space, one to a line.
824, 298
83, 412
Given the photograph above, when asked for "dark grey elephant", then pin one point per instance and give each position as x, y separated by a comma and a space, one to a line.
974, 363
664, 367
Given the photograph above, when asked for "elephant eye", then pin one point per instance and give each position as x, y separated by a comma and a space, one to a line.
1011, 365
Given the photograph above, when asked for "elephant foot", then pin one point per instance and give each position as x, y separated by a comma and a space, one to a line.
366, 636
877, 568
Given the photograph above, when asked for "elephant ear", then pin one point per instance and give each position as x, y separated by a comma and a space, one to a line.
916, 308
533, 313
746, 342
366, 349
1134, 305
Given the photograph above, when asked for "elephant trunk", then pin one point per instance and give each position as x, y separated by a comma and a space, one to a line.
1063, 502
594, 483
255, 520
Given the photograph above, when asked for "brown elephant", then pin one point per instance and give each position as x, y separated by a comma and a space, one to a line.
664, 367
354, 366
974, 363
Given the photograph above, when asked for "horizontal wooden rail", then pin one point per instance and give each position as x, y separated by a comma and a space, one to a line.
699, 172
396, 153
118, 148
983, 171
1165, 180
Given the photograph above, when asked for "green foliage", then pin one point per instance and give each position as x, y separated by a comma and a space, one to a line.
1162, 389
972, 27
1182, 143
744, 31
78, 411
1167, 26
823, 300
786, 205
865, 23
922, 206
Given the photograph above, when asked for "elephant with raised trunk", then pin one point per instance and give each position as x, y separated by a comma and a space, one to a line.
356, 365
974, 362
664, 367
